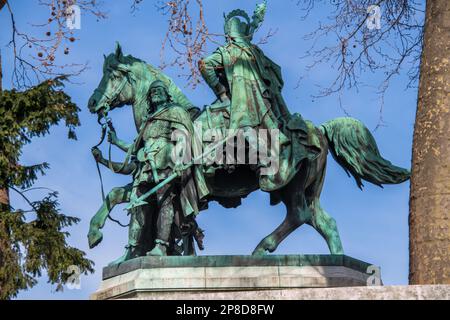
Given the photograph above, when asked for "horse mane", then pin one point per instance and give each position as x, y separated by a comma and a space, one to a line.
129, 59
113, 61
145, 72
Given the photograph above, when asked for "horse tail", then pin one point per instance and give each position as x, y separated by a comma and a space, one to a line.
354, 148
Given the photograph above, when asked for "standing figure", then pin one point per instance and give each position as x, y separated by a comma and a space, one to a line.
140, 227
165, 140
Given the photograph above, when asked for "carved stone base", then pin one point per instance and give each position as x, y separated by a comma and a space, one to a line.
226, 276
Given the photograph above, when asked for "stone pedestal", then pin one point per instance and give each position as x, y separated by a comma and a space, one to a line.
228, 277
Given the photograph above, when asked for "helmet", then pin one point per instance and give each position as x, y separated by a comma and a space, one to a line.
158, 84
235, 27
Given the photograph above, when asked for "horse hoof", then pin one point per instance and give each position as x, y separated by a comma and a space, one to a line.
259, 252
95, 236
123, 258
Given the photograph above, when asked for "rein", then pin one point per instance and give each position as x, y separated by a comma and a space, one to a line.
105, 125
102, 138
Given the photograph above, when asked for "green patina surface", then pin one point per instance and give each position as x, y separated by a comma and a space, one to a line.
248, 87
234, 261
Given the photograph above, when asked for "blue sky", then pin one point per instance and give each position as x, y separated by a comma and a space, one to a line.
373, 223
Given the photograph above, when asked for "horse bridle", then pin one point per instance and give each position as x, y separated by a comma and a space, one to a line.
105, 125
109, 98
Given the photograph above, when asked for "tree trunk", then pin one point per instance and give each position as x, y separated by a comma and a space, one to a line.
4, 198
4, 194
429, 213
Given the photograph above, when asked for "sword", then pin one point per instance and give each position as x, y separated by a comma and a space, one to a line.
141, 200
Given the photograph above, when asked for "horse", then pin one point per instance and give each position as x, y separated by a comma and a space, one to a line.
125, 82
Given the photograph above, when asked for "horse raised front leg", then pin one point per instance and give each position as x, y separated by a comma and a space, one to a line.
327, 227
115, 196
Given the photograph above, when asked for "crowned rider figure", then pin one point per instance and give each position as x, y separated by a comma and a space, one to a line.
241, 75
245, 79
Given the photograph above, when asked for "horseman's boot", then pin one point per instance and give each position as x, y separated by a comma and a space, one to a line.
160, 248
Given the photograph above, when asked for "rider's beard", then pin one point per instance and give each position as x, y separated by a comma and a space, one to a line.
158, 101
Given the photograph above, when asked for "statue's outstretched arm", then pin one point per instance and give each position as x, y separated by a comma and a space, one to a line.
208, 67
122, 145
117, 167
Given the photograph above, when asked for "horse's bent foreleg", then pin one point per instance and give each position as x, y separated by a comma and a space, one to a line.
115, 196
327, 227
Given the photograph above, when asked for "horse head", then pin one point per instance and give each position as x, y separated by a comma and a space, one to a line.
116, 86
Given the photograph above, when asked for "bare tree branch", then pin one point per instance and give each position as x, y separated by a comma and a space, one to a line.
35, 57
360, 50
187, 35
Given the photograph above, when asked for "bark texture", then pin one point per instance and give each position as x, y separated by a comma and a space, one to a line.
429, 223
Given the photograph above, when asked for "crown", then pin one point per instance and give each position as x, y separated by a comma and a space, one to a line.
251, 25
237, 13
